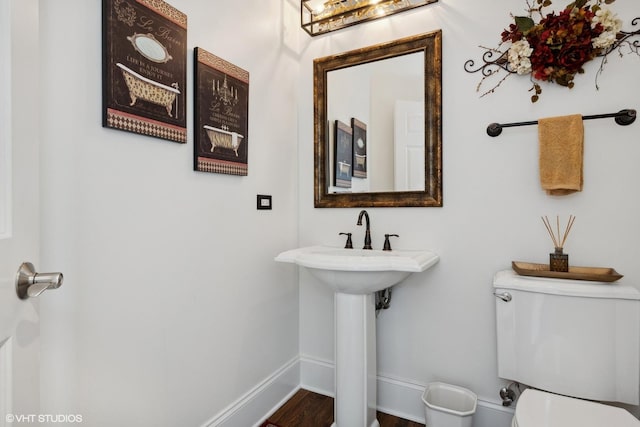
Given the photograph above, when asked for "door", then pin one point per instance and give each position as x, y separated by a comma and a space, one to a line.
19, 234
409, 146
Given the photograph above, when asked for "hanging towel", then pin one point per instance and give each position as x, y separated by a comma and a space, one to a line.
561, 154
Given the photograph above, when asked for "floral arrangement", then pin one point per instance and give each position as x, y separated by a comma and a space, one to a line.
556, 47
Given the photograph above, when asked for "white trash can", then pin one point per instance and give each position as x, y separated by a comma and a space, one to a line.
448, 405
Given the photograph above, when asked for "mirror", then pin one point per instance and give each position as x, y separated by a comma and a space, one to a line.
377, 125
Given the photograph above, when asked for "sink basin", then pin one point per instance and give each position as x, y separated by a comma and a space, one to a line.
359, 271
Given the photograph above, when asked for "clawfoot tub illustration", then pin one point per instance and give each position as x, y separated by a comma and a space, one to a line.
223, 138
344, 168
143, 88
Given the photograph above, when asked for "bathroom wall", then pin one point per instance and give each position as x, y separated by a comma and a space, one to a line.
441, 322
172, 308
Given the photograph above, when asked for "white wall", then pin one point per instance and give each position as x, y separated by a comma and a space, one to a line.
441, 323
172, 306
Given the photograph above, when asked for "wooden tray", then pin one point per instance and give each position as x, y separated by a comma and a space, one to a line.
596, 274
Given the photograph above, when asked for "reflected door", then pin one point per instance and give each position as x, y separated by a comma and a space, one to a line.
409, 146
19, 233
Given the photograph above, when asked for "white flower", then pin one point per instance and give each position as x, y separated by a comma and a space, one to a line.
524, 67
604, 40
518, 57
611, 24
608, 20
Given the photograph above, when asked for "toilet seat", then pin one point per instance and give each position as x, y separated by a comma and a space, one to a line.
537, 408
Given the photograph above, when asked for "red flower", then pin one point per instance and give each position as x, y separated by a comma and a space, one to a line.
513, 34
542, 56
543, 73
573, 58
559, 44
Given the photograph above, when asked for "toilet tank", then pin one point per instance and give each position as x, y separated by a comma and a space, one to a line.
570, 337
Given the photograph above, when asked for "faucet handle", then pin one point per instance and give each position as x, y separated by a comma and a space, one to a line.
387, 244
349, 244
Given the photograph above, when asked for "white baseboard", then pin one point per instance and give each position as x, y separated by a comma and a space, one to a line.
489, 414
255, 406
401, 398
398, 397
317, 375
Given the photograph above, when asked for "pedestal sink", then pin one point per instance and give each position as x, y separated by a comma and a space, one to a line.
355, 275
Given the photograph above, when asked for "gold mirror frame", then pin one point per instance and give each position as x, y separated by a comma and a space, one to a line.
431, 45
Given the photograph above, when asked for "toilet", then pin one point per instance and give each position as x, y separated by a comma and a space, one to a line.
573, 342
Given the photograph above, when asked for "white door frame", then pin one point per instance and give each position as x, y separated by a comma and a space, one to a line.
19, 208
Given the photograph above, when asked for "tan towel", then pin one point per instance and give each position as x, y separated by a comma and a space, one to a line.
561, 153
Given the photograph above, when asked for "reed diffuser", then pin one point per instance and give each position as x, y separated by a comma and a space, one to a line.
558, 260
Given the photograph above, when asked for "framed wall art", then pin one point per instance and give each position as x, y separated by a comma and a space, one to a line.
343, 152
359, 148
221, 115
145, 68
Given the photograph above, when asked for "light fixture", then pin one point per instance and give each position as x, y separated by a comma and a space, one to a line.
321, 16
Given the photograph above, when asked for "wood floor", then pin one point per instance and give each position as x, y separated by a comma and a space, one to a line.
308, 409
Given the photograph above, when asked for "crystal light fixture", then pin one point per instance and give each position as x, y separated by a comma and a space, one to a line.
322, 16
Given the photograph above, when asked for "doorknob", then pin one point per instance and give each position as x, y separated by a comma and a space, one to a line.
30, 284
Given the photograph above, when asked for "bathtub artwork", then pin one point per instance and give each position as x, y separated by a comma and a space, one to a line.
148, 90
359, 148
343, 154
145, 68
221, 115
223, 139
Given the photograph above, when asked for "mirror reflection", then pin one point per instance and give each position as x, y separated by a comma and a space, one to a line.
383, 103
377, 135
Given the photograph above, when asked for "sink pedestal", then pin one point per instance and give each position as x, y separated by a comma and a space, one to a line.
355, 275
355, 355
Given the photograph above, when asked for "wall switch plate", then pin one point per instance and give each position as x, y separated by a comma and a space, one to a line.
264, 202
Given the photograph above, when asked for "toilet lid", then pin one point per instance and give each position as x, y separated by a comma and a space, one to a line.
541, 409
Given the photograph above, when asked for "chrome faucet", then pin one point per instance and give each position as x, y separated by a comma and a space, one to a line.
367, 233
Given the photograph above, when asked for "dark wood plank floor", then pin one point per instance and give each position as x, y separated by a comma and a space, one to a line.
308, 409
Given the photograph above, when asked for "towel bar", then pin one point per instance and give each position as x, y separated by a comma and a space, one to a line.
622, 117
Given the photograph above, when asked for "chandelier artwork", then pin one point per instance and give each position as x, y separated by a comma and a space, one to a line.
225, 96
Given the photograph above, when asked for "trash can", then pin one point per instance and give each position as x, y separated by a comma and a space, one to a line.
448, 405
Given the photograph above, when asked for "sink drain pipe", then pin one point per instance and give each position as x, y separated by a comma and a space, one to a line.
383, 299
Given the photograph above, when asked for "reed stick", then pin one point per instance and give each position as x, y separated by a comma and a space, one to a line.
545, 220
557, 243
568, 229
